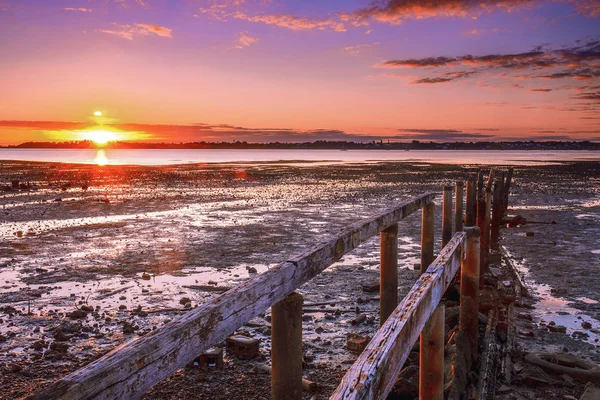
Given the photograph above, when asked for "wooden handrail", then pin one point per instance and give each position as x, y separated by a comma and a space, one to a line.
373, 374
129, 370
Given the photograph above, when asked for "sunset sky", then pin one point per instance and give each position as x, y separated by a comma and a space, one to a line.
275, 70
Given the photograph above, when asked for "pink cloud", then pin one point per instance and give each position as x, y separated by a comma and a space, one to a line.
130, 32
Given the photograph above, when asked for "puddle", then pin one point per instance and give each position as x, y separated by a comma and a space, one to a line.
557, 309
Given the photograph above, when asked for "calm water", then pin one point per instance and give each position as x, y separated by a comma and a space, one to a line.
166, 157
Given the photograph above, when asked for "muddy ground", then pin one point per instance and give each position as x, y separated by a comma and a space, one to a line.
117, 238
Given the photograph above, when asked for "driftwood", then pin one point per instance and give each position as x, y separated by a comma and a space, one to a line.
130, 370
373, 374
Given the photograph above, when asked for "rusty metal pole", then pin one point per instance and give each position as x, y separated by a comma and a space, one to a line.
388, 285
458, 207
446, 215
469, 289
427, 235
431, 369
496, 214
286, 348
471, 208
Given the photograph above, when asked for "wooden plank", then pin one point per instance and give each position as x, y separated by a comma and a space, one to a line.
130, 370
373, 374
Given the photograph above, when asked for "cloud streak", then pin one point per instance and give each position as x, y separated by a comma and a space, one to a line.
131, 32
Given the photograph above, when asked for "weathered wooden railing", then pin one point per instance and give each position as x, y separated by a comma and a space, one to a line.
130, 370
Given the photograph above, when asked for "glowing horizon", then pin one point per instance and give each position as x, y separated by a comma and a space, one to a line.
259, 71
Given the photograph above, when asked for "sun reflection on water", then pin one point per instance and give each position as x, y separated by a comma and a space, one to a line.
101, 158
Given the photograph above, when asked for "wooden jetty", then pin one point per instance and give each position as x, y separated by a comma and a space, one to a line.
130, 370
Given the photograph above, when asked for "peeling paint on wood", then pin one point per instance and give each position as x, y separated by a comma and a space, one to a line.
373, 374
175, 345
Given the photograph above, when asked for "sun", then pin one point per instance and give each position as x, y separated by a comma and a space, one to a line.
97, 113
100, 136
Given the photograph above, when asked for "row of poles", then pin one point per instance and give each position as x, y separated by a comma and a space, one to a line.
480, 223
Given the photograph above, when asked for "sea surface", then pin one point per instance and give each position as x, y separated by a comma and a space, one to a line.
171, 157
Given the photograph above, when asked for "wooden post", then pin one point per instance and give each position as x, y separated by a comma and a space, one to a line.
469, 289
471, 209
496, 214
286, 348
427, 235
388, 286
446, 215
431, 367
507, 188
458, 207
487, 223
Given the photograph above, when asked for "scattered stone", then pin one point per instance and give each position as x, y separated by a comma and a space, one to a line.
557, 328
77, 314
372, 287
586, 325
60, 336
129, 328
516, 221
59, 347
87, 308
251, 270
319, 329
39, 345
529, 234
359, 319
14, 368
184, 301
242, 347
407, 384
146, 276
357, 343
122, 307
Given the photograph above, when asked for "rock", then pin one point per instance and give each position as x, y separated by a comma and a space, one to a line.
129, 328
122, 307
359, 319
59, 347
146, 276
527, 317
357, 343
557, 328
60, 336
568, 380
586, 325
39, 345
517, 220
319, 329
529, 234
251, 270
242, 347
184, 301
372, 287
87, 308
77, 314
14, 368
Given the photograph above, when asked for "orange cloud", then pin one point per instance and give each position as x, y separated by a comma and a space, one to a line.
130, 32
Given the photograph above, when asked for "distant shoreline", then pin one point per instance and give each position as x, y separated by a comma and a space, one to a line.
318, 145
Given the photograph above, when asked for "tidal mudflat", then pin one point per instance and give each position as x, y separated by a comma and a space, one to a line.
94, 256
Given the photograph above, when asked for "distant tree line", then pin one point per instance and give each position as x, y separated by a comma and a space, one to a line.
322, 144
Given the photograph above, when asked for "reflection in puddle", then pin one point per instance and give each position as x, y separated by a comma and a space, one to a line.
557, 309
